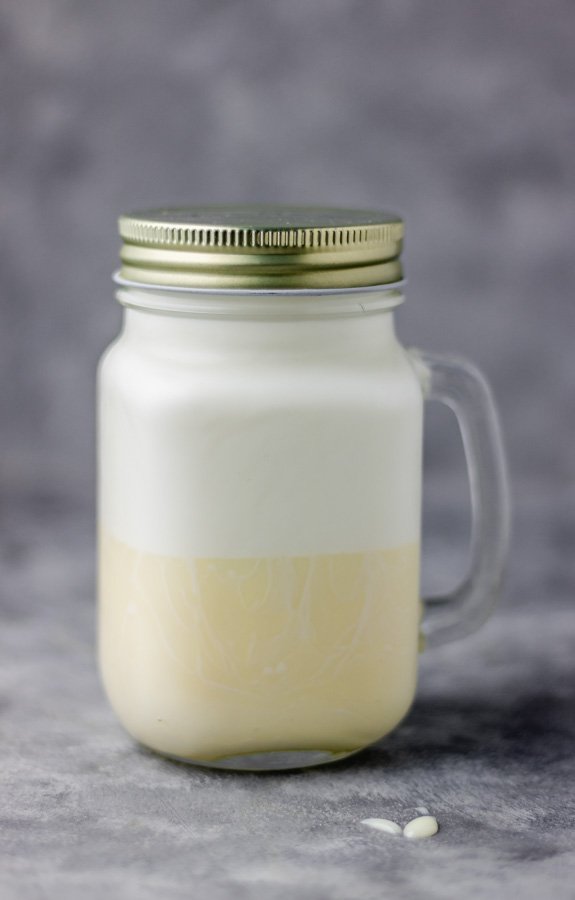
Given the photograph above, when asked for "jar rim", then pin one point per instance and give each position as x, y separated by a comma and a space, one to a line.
254, 303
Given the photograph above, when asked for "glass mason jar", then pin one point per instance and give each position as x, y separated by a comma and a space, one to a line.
260, 444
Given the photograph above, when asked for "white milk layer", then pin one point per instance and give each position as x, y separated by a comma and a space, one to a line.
259, 438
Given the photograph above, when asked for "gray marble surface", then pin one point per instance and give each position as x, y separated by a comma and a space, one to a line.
488, 748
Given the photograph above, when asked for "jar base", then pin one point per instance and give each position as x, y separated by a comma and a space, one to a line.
270, 761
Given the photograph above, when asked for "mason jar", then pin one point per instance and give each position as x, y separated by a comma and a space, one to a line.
260, 466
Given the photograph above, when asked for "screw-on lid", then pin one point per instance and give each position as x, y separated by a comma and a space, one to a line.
261, 247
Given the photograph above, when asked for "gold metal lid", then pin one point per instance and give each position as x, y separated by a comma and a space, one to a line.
261, 247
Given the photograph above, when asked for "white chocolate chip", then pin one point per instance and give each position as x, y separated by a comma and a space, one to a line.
383, 825
422, 827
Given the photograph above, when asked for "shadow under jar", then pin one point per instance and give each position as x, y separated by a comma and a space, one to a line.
260, 436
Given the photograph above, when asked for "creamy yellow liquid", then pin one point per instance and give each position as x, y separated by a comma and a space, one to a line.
209, 658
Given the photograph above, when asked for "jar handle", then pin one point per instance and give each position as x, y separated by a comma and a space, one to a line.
462, 387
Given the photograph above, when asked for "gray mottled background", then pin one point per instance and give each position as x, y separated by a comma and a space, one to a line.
459, 114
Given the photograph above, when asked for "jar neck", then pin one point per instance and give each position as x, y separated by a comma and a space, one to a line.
260, 303
269, 324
